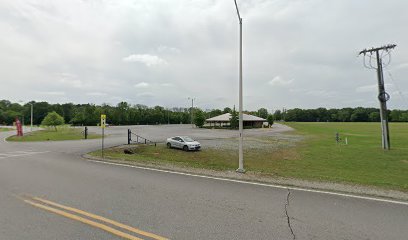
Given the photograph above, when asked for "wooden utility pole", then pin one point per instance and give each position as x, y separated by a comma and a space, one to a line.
383, 96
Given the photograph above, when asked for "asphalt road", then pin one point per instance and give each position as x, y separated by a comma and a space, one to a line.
169, 205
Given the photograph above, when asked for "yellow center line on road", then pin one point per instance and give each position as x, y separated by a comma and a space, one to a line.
84, 220
100, 218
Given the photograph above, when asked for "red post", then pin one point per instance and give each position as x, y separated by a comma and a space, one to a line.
19, 127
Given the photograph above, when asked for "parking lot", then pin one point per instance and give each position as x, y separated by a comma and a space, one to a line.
209, 138
159, 133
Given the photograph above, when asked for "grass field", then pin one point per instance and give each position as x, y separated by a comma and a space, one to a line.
63, 133
5, 129
362, 161
316, 157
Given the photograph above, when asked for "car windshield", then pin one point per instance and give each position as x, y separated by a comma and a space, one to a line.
187, 139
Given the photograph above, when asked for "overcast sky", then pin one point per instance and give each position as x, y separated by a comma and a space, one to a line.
296, 53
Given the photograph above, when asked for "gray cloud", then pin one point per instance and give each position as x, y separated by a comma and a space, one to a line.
148, 60
141, 85
52, 93
96, 94
296, 53
279, 81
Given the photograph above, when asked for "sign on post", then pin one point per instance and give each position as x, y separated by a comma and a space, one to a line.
103, 121
103, 125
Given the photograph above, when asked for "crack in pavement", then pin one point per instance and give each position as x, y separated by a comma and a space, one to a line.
287, 215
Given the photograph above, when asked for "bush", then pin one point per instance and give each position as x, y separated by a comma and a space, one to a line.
199, 118
53, 119
234, 121
270, 119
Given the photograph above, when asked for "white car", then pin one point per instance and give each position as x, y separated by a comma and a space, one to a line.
185, 143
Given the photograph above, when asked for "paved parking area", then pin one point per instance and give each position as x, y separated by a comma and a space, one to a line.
117, 135
159, 133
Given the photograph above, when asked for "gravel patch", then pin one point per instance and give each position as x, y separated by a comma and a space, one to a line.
273, 142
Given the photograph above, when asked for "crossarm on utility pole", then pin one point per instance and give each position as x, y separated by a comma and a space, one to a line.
386, 47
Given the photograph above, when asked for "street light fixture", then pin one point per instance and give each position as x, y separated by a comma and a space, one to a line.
241, 123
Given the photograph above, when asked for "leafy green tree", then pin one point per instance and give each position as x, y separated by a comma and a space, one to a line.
53, 119
199, 118
125, 113
214, 112
158, 115
41, 109
121, 115
234, 119
359, 115
85, 114
404, 117
5, 104
2, 116
68, 109
227, 110
374, 116
322, 115
10, 116
344, 114
16, 107
295, 115
270, 119
395, 115
278, 115
262, 113
332, 115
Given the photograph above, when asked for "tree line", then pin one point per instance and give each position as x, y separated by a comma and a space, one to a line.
127, 114
358, 114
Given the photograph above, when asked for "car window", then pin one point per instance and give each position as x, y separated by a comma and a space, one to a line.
187, 139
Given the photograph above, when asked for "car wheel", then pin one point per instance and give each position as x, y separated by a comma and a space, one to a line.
185, 148
168, 145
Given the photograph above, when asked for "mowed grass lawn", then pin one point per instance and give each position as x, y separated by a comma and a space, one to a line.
63, 133
362, 161
5, 129
160, 154
310, 152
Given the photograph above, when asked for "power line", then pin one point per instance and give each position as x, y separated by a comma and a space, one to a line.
398, 88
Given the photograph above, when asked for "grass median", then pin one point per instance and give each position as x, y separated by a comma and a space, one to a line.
6, 129
62, 133
310, 152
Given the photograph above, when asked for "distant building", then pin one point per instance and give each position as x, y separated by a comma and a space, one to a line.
224, 120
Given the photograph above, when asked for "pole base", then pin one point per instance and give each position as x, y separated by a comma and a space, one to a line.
240, 170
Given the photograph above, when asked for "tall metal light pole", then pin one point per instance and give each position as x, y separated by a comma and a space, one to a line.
168, 116
241, 123
31, 121
191, 113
